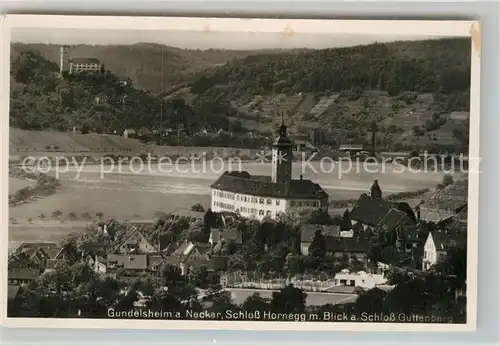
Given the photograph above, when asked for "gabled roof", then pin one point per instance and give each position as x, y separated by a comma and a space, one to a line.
12, 291
230, 234
132, 262
308, 231
244, 183
355, 244
135, 230
202, 248
369, 210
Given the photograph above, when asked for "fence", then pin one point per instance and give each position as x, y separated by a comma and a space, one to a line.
275, 281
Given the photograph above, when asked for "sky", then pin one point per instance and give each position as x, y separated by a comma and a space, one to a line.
199, 40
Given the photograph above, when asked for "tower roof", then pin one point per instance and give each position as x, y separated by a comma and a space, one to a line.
282, 139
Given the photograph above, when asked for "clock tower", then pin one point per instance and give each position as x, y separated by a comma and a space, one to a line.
282, 156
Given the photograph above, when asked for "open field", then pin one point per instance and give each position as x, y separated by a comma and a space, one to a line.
313, 298
127, 195
16, 184
42, 231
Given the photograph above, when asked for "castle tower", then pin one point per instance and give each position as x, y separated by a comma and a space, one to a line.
282, 156
63, 57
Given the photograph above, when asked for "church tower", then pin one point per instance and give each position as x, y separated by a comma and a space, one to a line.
282, 156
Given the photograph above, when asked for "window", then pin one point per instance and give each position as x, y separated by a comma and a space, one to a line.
237, 197
277, 202
425, 254
215, 193
268, 213
261, 212
261, 200
254, 199
269, 201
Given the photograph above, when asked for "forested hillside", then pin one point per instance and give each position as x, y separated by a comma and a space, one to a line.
42, 99
417, 92
142, 62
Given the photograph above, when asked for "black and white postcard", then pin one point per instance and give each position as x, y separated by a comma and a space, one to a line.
271, 174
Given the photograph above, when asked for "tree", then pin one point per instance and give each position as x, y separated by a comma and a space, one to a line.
199, 277
317, 249
255, 303
197, 207
345, 224
289, 300
210, 219
370, 301
171, 275
318, 217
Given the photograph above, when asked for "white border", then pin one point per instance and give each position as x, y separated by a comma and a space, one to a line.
281, 27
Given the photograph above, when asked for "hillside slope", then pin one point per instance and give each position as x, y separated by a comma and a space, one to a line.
409, 89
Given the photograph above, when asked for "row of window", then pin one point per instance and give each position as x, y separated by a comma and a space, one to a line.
85, 65
223, 205
246, 199
266, 201
255, 211
223, 194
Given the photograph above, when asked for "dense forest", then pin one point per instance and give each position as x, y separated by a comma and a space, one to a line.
42, 99
422, 66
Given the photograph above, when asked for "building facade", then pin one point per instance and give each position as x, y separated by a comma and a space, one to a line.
79, 65
268, 196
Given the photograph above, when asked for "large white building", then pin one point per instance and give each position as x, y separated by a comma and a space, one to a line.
78, 65
268, 196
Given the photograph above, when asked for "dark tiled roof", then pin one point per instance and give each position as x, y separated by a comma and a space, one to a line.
356, 244
244, 183
134, 262
446, 240
231, 234
79, 60
391, 220
218, 263
12, 292
23, 274
370, 210
307, 232
203, 248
